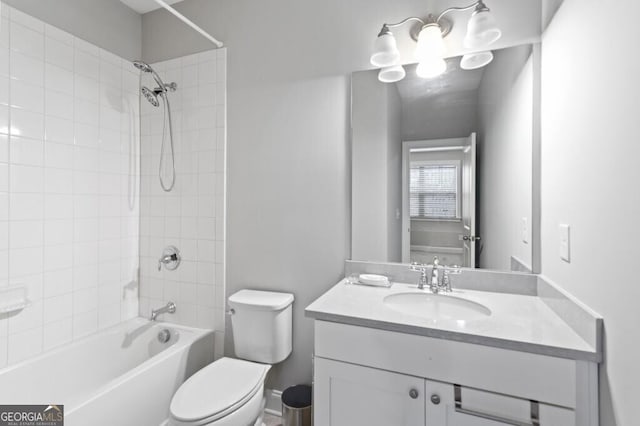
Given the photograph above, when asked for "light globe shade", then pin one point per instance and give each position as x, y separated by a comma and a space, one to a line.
472, 61
431, 68
391, 74
482, 30
385, 51
430, 44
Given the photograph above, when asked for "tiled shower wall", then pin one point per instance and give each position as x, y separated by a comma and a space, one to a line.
191, 217
69, 186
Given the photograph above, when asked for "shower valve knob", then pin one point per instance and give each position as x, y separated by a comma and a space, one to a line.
170, 258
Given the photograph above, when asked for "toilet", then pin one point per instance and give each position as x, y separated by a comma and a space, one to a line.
229, 391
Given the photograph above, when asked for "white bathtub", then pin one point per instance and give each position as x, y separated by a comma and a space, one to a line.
121, 376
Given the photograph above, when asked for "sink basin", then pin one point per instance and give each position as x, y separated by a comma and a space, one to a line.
436, 307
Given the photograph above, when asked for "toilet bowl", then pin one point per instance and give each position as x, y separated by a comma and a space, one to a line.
229, 391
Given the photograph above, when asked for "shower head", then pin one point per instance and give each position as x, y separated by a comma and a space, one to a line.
151, 96
144, 67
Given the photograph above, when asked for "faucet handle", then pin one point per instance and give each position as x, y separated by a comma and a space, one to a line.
170, 258
446, 276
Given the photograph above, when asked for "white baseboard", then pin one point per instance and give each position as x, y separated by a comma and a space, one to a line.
274, 402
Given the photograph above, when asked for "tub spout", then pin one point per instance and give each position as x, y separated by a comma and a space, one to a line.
168, 308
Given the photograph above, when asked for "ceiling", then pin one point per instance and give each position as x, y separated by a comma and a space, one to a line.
144, 6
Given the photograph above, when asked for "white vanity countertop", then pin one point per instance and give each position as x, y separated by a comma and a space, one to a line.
517, 322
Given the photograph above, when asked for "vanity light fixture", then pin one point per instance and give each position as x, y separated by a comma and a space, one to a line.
430, 50
472, 61
391, 74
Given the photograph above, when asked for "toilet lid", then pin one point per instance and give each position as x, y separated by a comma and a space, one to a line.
217, 390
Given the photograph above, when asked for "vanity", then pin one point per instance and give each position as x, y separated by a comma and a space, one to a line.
500, 349
449, 168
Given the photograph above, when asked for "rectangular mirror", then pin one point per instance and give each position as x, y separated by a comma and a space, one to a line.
445, 167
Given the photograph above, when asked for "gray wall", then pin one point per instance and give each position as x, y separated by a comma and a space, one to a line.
590, 178
505, 157
106, 23
288, 131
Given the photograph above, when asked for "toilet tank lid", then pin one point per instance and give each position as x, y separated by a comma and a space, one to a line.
260, 300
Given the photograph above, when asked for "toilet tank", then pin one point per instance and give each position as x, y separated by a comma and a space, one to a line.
262, 325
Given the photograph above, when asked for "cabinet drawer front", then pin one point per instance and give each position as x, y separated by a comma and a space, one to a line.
350, 395
525, 375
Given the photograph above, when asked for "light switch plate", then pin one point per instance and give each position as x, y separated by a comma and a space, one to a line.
565, 243
525, 230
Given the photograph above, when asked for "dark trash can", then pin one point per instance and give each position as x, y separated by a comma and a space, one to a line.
296, 406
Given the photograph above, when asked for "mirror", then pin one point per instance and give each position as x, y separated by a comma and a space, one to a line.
444, 166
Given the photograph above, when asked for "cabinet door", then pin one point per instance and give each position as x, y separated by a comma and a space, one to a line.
480, 408
352, 395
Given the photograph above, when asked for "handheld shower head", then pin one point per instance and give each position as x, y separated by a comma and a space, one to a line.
146, 68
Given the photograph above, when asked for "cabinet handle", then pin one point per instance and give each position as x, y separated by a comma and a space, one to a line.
535, 411
413, 393
435, 399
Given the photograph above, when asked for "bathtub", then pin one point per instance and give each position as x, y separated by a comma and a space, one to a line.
120, 376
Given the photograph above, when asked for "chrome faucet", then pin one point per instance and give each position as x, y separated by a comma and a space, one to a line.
434, 282
168, 308
436, 276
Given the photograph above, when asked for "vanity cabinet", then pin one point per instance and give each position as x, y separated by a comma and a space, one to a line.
347, 395
371, 377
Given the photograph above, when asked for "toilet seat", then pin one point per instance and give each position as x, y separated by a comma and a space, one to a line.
217, 390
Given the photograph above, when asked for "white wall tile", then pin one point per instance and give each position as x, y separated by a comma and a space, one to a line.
25, 179
58, 78
59, 104
58, 155
24, 345
57, 333
25, 234
25, 206
58, 282
4, 177
59, 53
25, 261
26, 68
4, 119
85, 323
27, 123
57, 308
29, 152
192, 209
65, 186
26, 41
54, 33
27, 96
86, 64
58, 257
58, 232
58, 181
4, 79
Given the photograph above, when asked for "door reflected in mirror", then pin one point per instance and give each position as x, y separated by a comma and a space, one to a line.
443, 167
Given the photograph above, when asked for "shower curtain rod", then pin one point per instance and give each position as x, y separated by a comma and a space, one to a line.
189, 23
